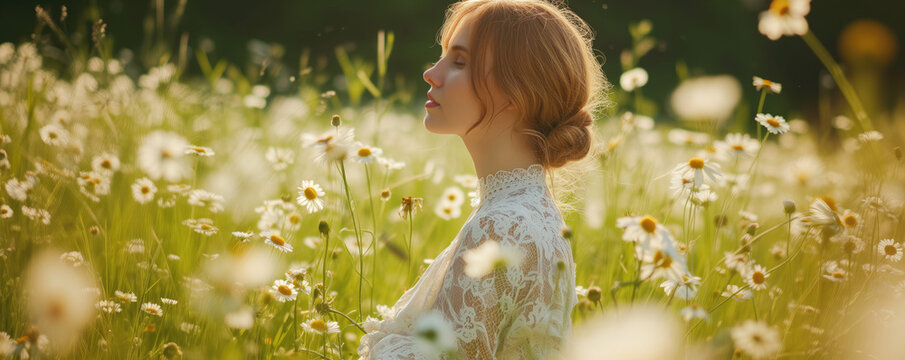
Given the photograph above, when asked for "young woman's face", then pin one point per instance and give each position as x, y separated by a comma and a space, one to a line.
452, 106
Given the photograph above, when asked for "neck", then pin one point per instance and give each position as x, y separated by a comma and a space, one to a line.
494, 150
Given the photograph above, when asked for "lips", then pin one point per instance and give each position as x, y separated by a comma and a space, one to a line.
431, 102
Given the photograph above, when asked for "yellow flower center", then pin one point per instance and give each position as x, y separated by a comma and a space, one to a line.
285, 290
662, 260
891, 250
738, 147
649, 224
696, 163
447, 210
318, 325
165, 154
145, 189
758, 277
199, 149
767, 82
772, 122
838, 274
3, 211
364, 152
276, 239
294, 218
830, 202
780, 7
451, 197
205, 227
106, 164
850, 220
310, 193
151, 310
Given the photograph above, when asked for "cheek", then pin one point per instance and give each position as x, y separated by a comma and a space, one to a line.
462, 100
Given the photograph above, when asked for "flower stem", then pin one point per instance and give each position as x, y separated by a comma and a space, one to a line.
839, 77
760, 106
342, 167
373, 234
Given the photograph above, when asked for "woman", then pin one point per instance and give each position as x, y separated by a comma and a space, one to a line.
518, 82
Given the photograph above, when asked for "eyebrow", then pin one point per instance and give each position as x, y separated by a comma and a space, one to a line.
460, 48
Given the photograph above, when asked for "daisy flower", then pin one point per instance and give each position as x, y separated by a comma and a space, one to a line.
364, 154
771, 86
409, 206
699, 167
453, 195
735, 292
73, 258
694, 311
280, 158
243, 236
737, 262
6, 212
633, 79
823, 213
683, 137
756, 339
330, 146
161, 156
784, 17
143, 190
152, 308
663, 262
468, 181
283, 290
434, 335
125, 297
756, 276
273, 238
447, 211
737, 146
833, 272
105, 163
850, 219
108, 306
890, 249
869, 136
774, 124
490, 255
199, 151
390, 164
318, 326
685, 289
168, 301
310, 196
203, 198
54, 135
644, 229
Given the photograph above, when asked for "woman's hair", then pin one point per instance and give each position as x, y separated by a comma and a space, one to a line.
544, 62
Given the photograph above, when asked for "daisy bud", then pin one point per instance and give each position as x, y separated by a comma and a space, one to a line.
286, 197
594, 294
752, 229
324, 229
788, 206
171, 350
94, 230
566, 232
336, 121
385, 195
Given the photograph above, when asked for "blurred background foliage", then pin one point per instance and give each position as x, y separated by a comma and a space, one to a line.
272, 40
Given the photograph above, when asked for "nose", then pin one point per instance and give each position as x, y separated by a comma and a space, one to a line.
430, 78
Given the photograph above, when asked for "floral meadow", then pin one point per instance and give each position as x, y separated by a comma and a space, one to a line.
253, 211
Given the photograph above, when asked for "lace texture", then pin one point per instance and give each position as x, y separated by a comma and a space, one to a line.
520, 312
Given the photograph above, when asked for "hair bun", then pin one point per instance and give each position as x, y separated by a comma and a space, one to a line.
570, 139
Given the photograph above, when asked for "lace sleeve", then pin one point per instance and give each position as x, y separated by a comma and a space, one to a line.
514, 312
509, 312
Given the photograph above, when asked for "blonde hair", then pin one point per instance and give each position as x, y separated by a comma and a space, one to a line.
545, 64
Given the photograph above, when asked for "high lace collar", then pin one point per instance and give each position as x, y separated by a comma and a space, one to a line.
492, 184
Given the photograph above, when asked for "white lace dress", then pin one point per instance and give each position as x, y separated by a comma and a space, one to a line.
520, 313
